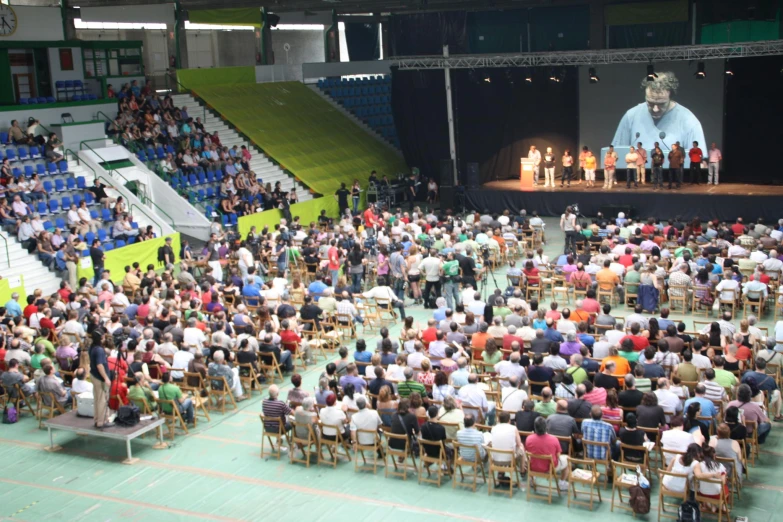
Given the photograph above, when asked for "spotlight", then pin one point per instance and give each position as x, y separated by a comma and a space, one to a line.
487, 79
529, 76
651, 76
553, 77
700, 73
593, 76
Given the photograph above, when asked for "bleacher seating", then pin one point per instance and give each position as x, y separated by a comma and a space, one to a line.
369, 99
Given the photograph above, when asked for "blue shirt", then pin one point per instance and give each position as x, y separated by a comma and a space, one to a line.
707, 407
597, 431
439, 314
131, 311
553, 335
317, 287
98, 358
586, 339
13, 309
364, 356
251, 291
679, 124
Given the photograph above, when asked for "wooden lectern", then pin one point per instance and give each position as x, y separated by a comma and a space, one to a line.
526, 173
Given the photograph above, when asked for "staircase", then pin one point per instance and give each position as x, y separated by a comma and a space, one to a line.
35, 273
351, 116
263, 168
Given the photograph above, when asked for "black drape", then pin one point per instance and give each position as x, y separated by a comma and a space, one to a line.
362, 41
498, 121
753, 112
427, 33
419, 107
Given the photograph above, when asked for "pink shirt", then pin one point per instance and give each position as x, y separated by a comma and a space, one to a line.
715, 155
642, 157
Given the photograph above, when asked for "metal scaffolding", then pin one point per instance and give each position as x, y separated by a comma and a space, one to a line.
598, 57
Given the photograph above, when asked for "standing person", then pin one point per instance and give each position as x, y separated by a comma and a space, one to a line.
99, 370
71, 258
431, 268
695, 155
582, 156
98, 258
568, 168
535, 155
590, 165
641, 163
713, 168
410, 190
451, 281
630, 166
568, 225
549, 168
610, 164
356, 192
676, 160
342, 198
657, 168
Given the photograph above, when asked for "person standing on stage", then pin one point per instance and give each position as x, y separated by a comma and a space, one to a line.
410, 190
630, 166
568, 168
582, 156
657, 168
610, 164
568, 225
590, 165
713, 169
641, 163
695, 155
535, 155
549, 168
676, 160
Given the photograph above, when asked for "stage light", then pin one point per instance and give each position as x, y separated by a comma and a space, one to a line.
553, 77
487, 79
700, 72
651, 76
529, 76
593, 76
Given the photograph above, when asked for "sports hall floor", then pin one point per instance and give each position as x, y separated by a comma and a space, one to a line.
216, 474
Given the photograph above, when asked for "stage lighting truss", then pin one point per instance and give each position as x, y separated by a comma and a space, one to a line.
599, 57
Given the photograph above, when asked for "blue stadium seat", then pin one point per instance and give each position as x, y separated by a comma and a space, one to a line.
52, 168
202, 194
77, 199
65, 203
192, 180
70, 183
28, 170
48, 187
94, 214
131, 240
81, 183
160, 153
63, 166
24, 101
102, 234
89, 237
210, 176
107, 246
210, 192
23, 154
119, 243
40, 169
35, 152
11, 155
170, 149
59, 223
202, 178
59, 185
219, 175
232, 219
53, 205
106, 215
41, 208
50, 99
4, 137
89, 198
174, 182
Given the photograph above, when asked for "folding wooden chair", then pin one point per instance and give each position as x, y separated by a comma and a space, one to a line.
296, 354
620, 471
425, 461
578, 475
332, 446
275, 438
664, 493
722, 503
345, 325
385, 310
173, 418
220, 390
606, 462
308, 445
271, 370
249, 379
400, 468
23, 399
655, 455
375, 448
548, 475
459, 462
193, 382
503, 461
49, 410
682, 298
753, 440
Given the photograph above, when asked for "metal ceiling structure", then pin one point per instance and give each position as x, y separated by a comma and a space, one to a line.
593, 57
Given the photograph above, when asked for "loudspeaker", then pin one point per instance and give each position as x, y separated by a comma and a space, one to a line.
446, 197
446, 172
472, 176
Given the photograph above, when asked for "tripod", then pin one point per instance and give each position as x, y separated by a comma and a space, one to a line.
483, 289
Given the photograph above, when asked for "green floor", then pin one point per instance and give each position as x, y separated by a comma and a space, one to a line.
216, 474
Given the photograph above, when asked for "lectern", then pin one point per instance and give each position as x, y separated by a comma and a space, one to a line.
526, 173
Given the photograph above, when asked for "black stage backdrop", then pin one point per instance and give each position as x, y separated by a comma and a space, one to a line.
427, 33
362, 41
754, 111
498, 121
419, 106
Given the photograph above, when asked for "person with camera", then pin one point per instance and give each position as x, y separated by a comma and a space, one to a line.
451, 281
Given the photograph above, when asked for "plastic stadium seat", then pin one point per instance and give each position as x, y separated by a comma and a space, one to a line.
23, 154
48, 187
35, 152
210, 192
77, 97
202, 194
210, 176
94, 214
24, 101
107, 246
131, 240
63, 166
102, 235
70, 183
65, 203
174, 182
40, 168
81, 183
232, 219
170, 149
59, 185
28, 170
3, 137
52, 168
50, 99
193, 180
201, 178
160, 153
53, 205
10, 154
106, 215
119, 243
89, 198
89, 238
141, 155
59, 223
41, 208
77, 199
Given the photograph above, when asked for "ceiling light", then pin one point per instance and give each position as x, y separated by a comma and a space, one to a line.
700, 72
651, 76
593, 76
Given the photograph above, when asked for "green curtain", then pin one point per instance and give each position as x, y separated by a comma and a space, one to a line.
646, 13
647, 35
307, 211
195, 78
234, 16
145, 253
560, 28
740, 31
497, 31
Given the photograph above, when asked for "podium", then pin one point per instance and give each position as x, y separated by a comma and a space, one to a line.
526, 174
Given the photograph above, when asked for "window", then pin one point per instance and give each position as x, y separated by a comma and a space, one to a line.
66, 59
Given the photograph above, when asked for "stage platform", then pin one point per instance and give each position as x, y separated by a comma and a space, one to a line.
726, 201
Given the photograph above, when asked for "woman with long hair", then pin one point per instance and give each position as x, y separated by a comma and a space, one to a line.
414, 274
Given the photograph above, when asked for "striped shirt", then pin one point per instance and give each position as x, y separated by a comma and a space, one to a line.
597, 431
274, 409
404, 389
714, 391
470, 437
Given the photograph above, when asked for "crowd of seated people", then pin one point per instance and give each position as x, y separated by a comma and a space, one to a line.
496, 363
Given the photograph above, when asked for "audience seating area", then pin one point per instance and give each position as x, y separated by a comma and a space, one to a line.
369, 99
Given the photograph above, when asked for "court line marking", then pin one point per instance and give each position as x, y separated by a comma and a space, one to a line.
104, 498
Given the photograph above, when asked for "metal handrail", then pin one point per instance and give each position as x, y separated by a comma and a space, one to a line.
185, 90
143, 198
7, 254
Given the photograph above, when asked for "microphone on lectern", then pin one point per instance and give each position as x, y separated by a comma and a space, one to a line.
662, 135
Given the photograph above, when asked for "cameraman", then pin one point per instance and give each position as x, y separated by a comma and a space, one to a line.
451, 281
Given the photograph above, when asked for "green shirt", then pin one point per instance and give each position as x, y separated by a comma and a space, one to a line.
405, 388
502, 312
725, 378
587, 232
169, 392
643, 385
631, 357
439, 245
50, 349
137, 393
451, 268
579, 374
492, 359
545, 408
35, 360
633, 277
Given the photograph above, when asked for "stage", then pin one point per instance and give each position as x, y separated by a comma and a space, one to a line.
726, 201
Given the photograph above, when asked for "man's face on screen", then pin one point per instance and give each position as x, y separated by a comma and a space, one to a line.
658, 102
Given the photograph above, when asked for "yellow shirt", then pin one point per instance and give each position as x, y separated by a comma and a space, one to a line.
590, 162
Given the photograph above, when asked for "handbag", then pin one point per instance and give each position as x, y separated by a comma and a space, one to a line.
128, 416
10, 415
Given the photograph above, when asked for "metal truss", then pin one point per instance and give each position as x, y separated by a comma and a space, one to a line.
598, 57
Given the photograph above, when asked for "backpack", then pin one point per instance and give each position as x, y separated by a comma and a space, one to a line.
640, 500
10, 415
161, 254
689, 512
128, 415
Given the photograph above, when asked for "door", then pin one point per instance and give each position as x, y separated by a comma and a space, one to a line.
41, 61
24, 85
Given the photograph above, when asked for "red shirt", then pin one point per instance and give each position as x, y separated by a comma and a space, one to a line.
290, 336
118, 388
508, 339
648, 229
591, 306
626, 260
743, 353
45, 322
764, 278
639, 342
738, 229
334, 260
369, 217
532, 275
429, 335
29, 310
695, 155
542, 445
64, 293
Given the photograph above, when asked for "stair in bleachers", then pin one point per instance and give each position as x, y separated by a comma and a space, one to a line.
264, 169
35, 273
369, 99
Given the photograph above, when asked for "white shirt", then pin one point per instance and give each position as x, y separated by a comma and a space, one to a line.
509, 369
332, 416
758, 256
365, 419
668, 401
181, 360
701, 361
73, 217
676, 440
613, 336
472, 395
194, 336
384, 292
84, 214
565, 326
74, 327
727, 288
504, 437
79, 386
512, 398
